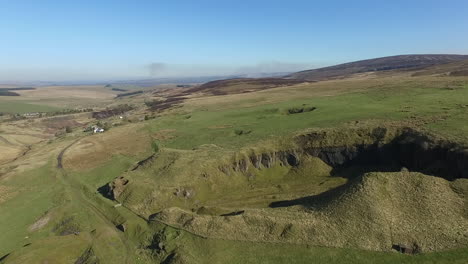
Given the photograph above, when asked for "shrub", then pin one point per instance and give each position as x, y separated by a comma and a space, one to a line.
107, 126
68, 129
155, 146
298, 110
240, 132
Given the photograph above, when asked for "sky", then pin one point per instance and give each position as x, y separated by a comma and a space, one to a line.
89, 40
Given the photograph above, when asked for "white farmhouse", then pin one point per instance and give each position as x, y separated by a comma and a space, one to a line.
97, 129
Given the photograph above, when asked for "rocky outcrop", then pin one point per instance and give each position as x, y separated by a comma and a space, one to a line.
113, 189
190, 178
387, 150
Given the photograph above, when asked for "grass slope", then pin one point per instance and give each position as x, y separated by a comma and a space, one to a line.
425, 101
374, 212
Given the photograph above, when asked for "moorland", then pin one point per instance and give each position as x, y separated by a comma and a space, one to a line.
365, 162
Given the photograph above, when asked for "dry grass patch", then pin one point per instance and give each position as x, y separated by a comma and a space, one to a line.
92, 92
6, 193
95, 150
40, 223
9, 153
164, 134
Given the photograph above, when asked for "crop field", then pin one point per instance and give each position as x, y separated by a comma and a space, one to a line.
310, 172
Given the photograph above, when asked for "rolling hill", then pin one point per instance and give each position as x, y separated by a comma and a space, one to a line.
401, 62
418, 65
242, 85
455, 69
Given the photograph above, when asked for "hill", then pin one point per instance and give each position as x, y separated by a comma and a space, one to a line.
383, 211
8, 93
455, 69
453, 65
242, 85
401, 62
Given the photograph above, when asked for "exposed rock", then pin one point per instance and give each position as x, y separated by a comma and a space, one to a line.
186, 193
113, 189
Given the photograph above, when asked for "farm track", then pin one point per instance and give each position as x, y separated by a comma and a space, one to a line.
78, 191
60, 155
4, 140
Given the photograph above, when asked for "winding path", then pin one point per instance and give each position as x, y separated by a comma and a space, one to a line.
60, 155
85, 196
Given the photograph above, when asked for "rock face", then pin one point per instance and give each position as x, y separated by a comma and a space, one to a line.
114, 188
379, 148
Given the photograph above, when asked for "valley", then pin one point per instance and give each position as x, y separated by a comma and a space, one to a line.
361, 166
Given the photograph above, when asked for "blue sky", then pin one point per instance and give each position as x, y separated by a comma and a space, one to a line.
71, 40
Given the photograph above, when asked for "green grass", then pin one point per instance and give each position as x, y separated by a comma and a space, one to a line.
101, 175
36, 196
194, 249
24, 107
47, 191
74, 195
217, 125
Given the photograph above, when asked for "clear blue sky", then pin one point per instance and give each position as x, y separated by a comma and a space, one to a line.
118, 39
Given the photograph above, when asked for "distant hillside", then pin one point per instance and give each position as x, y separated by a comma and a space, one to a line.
242, 85
17, 89
378, 64
8, 93
459, 68
429, 64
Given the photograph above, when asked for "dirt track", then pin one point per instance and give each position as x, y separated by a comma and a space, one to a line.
4, 140
60, 155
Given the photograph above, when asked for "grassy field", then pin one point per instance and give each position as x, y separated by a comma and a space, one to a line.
24, 107
49, 99
425, 102
45, 207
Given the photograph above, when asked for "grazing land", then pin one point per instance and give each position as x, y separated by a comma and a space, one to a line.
370, 167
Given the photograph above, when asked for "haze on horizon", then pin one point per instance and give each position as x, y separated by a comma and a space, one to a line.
90, 40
